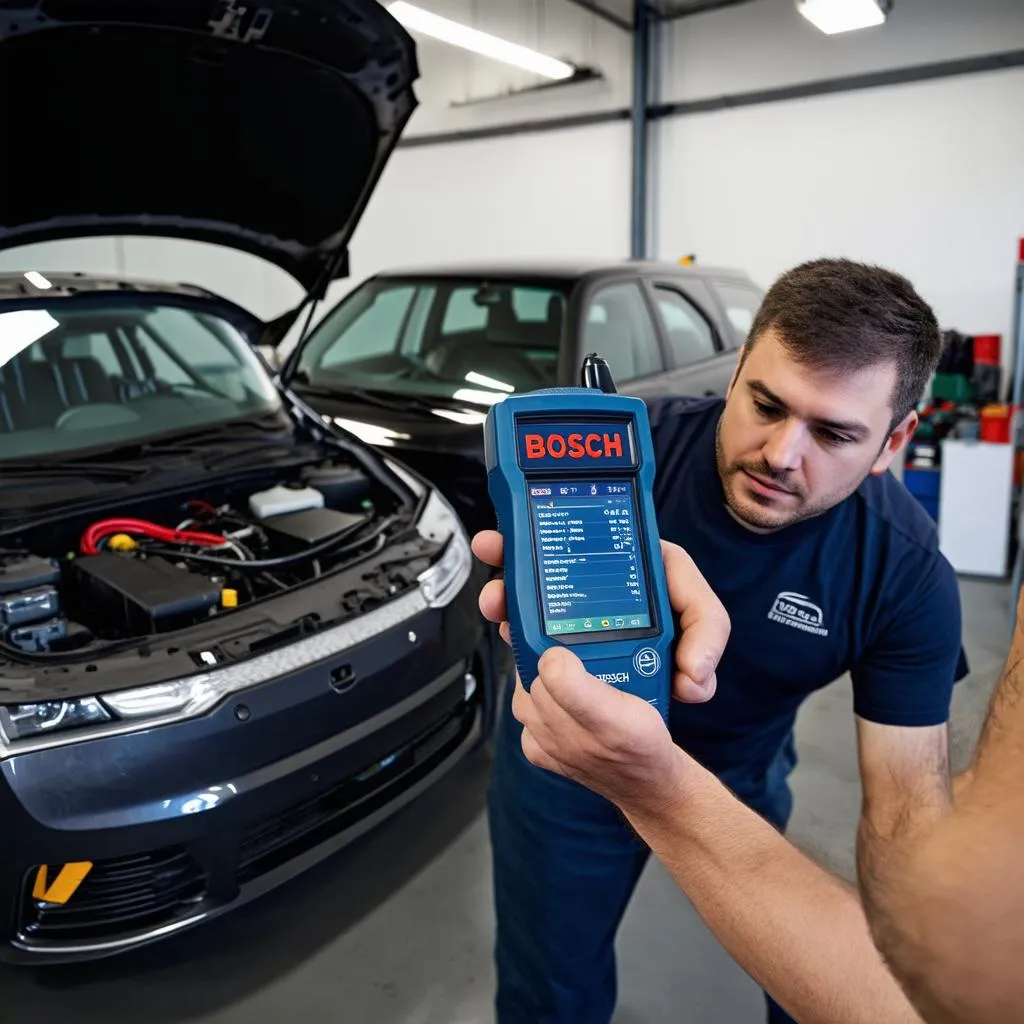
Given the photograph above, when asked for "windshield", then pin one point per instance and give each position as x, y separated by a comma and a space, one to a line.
469, 341
85, 373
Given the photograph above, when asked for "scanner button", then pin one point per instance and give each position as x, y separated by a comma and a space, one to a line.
647, 661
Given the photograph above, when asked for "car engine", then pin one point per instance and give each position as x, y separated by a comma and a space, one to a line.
129, 576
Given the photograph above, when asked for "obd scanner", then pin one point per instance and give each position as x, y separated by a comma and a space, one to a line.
570, 472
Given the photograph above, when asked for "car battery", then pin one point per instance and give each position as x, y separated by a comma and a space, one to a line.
29, 606
37, 637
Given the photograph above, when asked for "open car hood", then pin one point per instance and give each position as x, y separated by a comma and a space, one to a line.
261, 126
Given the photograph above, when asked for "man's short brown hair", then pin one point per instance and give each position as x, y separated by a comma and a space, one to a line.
837, 315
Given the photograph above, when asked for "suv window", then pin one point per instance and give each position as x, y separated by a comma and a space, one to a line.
472, 341
619, 328
376, 328
690, 338
740, 304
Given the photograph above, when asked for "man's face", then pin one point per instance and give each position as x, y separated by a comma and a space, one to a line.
793, 442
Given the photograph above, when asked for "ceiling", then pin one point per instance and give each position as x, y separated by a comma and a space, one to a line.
623, 9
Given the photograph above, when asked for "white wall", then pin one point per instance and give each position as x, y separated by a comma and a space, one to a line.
767, 44
925, 177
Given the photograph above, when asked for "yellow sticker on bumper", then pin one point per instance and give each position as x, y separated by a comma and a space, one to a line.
64, 886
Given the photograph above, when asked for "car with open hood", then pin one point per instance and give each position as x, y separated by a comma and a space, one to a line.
233, 636
411, 359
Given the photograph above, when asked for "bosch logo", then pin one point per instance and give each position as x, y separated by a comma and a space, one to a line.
647, 661
573, 446
614, 678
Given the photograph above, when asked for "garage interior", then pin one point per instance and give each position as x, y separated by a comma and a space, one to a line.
730, 133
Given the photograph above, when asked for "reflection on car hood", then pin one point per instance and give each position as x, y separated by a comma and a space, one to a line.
263, 127
444, 428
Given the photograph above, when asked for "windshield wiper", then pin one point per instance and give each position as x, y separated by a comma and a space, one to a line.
381, 399
70, 468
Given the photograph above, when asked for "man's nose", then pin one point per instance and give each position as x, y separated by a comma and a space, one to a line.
784, 447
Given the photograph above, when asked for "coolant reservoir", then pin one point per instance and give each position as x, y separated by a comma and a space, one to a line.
280, 500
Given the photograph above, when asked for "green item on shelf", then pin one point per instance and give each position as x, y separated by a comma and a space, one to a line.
951, 387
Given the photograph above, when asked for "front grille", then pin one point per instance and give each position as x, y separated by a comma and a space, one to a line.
276, 840
122, 895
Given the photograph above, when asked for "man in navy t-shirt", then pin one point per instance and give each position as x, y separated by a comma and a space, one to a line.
781, 495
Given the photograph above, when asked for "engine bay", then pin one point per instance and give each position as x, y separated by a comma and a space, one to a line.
160, 565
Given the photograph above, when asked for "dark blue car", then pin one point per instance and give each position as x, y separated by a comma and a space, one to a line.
233, 636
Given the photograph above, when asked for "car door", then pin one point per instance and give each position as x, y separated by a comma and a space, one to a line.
699, 359
616, 322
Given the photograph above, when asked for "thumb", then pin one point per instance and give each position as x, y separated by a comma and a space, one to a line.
566, 680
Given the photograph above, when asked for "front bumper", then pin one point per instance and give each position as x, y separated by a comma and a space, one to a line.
184, 822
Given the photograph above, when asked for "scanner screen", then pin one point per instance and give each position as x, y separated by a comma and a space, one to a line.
586, 535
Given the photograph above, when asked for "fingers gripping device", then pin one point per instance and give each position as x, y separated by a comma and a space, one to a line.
570, 472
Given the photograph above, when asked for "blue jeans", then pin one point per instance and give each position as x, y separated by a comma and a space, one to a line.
565, 866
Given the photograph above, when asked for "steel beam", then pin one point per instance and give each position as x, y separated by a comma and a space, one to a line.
595, 8
710, 5
643, 22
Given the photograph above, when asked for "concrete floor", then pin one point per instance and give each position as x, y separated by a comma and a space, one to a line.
398, 928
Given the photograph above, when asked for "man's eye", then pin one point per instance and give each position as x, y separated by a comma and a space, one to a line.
765, 410
831, 437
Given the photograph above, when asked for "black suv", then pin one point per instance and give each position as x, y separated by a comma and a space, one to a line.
233, 636
412, 359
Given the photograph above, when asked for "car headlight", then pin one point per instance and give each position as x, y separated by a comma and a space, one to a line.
448, 575
25, 721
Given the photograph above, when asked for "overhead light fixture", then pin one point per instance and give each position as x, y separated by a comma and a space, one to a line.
418, 20
34, 277
834, 16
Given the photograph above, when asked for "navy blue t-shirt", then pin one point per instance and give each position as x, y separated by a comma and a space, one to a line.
861, 588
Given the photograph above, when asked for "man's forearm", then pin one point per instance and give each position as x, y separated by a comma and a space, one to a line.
796, 929
945, 903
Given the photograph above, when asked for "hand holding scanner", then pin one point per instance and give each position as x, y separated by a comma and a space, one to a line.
570, 472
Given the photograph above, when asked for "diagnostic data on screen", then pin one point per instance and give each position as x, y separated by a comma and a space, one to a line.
591, 568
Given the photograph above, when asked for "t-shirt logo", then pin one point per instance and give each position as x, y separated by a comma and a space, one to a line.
798, 611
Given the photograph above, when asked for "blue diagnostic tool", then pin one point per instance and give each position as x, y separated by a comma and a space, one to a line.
570, 472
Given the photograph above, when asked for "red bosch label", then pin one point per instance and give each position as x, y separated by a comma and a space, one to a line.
551, 445
574, 446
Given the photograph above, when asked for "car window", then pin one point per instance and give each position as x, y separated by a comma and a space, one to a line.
690, 338
740, 304
376, 328
618, 327
92, 346
473, 341
88, 373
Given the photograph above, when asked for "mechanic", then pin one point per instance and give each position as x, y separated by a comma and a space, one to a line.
944, 904
824, 563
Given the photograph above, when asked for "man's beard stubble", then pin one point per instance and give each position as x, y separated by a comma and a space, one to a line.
769, 520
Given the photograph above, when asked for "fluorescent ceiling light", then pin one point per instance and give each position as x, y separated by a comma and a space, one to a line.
833, 16
418, 20
34, 277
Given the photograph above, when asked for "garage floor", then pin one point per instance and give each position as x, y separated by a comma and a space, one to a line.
397, 930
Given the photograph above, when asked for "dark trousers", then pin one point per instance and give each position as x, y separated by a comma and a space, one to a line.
565, 866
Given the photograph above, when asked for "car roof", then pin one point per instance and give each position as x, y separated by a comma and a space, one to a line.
63, 285
560, 270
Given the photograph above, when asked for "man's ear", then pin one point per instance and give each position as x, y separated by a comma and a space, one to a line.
898, 439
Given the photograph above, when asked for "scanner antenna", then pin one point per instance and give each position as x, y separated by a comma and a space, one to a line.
595, 373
